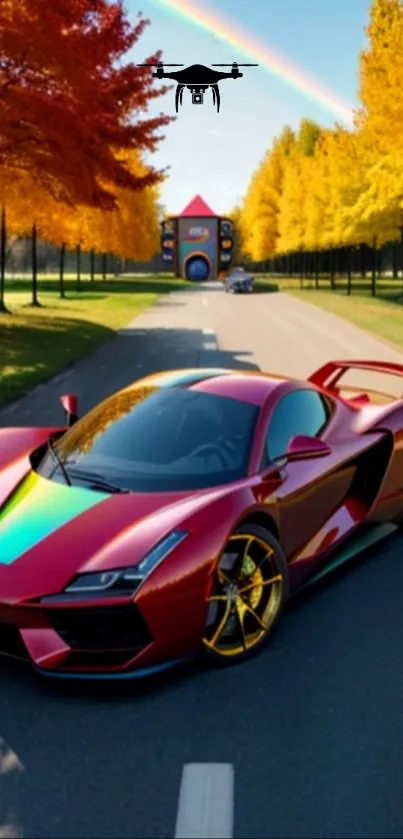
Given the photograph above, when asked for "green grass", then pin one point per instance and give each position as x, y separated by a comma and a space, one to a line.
36, 343
381, 315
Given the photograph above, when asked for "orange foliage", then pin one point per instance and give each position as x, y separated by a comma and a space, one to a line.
68, 99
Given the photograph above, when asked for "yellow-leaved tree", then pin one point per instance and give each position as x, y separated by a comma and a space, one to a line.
30, 204
260, 209
379, 207
293, 203
239, 251
130, 231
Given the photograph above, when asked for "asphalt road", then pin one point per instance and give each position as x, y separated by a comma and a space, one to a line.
312, 727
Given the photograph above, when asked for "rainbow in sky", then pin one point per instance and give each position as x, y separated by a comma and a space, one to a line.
260, 52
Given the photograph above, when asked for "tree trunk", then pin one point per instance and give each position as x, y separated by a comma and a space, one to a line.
348, 255
306, 266
401, 252
35, 301
61, 271
373, 271
395, 261
78, 252
92, 265
331, 269
363, 261
104, 265
3, 237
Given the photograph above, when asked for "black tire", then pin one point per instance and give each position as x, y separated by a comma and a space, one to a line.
277, 562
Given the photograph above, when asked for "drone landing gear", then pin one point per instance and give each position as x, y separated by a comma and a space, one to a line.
216, 96
179, 96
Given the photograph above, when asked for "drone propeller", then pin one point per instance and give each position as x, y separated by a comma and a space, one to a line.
235, 64
160, 64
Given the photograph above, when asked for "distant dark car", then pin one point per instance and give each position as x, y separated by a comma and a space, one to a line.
238, 280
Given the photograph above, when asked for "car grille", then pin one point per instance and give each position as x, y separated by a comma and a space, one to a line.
101, 628
11, 642
97, 660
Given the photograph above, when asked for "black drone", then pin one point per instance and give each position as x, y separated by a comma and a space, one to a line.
197, 79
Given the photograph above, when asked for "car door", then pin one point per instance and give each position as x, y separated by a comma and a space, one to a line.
313, 488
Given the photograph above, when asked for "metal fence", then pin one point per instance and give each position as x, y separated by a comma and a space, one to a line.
348, 267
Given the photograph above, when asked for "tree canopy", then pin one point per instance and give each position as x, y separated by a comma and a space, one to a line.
74, 127
327, 188
68, 99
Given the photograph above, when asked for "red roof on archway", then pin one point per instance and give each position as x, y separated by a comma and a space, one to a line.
197, 207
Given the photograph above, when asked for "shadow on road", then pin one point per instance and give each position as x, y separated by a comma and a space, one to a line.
33, 350
127, 356
143, 285
265, 287
168, 303
65, 690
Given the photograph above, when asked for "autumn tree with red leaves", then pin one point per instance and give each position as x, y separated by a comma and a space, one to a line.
68, 100
69, 104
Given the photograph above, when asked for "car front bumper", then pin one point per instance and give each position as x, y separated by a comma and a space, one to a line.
246, 286
95, 642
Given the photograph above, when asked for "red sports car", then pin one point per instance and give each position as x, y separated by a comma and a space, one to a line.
179, 514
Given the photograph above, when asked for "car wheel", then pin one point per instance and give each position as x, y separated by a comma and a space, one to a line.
250, 587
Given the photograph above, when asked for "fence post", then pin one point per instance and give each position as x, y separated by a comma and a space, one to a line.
373, 274
401, 252
331, 268
35, 301
61, 270
78, 253
394, 261
363, 254
348, 269
3, 237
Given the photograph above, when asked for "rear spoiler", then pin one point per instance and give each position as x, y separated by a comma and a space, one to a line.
328, 375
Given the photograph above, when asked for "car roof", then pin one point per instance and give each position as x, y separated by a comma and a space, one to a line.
251, 386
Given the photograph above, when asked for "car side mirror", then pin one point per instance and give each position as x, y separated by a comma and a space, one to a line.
303, 446
70, 406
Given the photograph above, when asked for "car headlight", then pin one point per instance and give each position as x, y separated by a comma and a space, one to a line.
123, 580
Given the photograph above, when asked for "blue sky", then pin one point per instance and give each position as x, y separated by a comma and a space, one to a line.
215, 154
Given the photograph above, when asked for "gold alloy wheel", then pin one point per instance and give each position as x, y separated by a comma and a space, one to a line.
246, 597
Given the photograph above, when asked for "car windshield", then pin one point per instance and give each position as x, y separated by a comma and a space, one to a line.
158, 440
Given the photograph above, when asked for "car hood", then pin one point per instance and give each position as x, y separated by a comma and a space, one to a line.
49, 531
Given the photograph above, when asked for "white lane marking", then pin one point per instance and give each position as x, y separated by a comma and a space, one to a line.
9, 761
10, 831
210, 340
205, 301
206, 802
